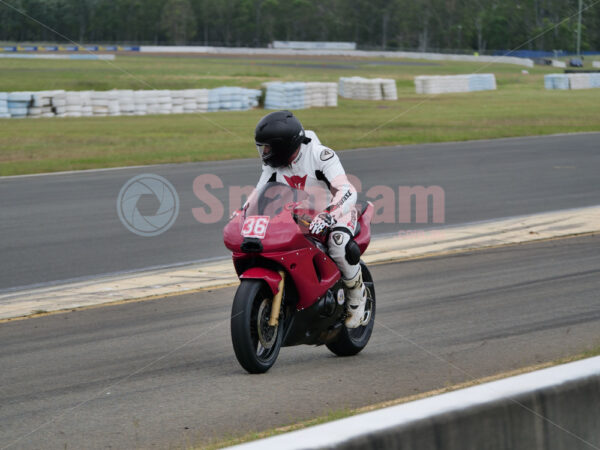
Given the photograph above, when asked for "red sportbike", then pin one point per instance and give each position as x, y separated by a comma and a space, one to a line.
290, 291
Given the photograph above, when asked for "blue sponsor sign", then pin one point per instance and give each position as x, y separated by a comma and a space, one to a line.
111, 48
49, 48
91, 48
9, 49
130, 48
29, 48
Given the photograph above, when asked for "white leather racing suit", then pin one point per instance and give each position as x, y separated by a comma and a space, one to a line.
318, 170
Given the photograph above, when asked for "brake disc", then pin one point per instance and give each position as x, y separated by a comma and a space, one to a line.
266, 334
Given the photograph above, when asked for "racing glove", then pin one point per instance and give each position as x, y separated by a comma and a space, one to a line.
321, 223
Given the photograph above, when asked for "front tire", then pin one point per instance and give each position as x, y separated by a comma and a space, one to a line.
255, 343
352, 340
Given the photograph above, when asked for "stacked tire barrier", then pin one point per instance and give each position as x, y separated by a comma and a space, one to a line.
299, 95
446, 84
17, 103
125, 102
556, 81
320, 94
596, 64
4, 114
359, 88
234, 98
572, 81
559, 64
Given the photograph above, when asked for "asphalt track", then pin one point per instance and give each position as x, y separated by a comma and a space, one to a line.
58, 227
162, 374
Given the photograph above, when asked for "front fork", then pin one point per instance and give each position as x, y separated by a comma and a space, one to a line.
276, 303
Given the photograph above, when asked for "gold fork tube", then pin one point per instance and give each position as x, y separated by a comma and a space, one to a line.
276, 304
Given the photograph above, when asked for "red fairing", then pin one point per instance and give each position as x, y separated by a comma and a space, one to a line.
301, 265
364, 236
261, 273
286, 247
282, 233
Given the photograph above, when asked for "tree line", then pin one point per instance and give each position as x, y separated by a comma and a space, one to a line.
424, 25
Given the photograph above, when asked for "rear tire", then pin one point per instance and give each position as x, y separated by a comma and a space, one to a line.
256, 345
351, 341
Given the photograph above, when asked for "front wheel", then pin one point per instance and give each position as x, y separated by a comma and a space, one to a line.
352, 341
256, 344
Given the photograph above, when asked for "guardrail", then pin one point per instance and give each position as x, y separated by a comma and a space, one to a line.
356, 53
69, 48
555, 409
83, 56
311, 45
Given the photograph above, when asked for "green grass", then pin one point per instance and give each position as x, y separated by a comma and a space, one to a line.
229, 441
520, 107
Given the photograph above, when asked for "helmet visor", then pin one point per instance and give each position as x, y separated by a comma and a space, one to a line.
264, 150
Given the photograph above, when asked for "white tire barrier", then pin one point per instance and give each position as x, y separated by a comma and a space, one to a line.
559, 64
125, 102
359, 88
579, 80
596, 64
572, 81
446, 84
299, 95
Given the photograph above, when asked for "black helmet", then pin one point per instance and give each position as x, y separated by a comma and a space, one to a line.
283, 133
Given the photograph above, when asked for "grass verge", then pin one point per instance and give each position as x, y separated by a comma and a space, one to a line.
520, 107
343, 413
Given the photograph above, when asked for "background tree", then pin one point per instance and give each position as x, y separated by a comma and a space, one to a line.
431, 25
178, 21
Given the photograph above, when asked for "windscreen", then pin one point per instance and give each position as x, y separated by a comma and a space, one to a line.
272, 198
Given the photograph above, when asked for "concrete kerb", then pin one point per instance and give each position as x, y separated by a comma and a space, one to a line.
197, 277
555, 408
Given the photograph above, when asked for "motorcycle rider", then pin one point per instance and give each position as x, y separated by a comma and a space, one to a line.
296, 157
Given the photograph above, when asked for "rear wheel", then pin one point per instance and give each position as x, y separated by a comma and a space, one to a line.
256, 344
352, 340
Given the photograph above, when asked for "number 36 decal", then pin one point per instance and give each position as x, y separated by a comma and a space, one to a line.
255, 226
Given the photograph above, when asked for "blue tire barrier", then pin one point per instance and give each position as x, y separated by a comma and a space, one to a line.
572, 81
19, 96
556, 81
299, 95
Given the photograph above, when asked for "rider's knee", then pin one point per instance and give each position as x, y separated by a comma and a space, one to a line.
342, 248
